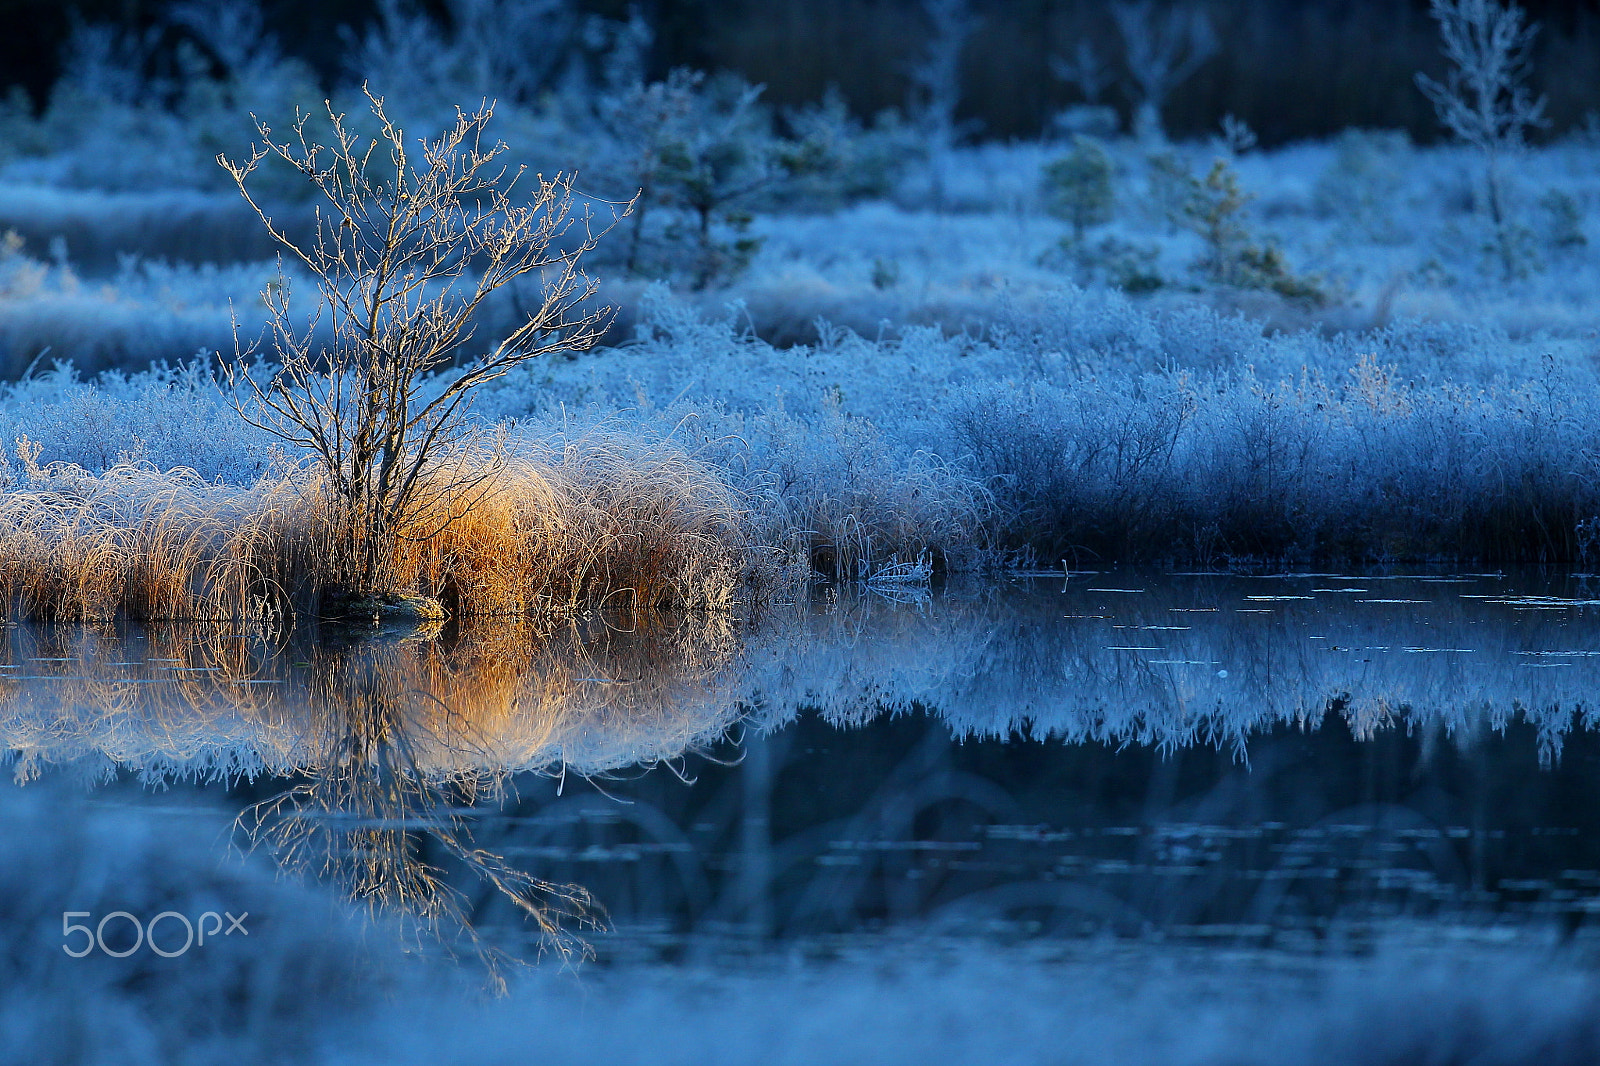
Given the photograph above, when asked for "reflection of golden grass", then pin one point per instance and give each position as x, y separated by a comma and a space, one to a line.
516, 695
596, 525
382, 742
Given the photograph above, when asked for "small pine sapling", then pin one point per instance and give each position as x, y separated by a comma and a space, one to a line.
1563, 220
1077, 187
704, 148
716, 167
860, 161
1214, 209
641, 122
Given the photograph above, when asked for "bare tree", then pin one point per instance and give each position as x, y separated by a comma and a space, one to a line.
937, 80
234, 31
1162, 48
406, 253
1483, 101
1086, 70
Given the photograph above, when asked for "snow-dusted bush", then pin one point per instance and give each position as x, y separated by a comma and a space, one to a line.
1077, 187
1484, 101
151, 313
167, 417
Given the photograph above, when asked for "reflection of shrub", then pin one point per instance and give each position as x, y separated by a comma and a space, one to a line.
299, 976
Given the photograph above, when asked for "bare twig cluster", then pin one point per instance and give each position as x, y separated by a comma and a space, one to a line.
1162, 49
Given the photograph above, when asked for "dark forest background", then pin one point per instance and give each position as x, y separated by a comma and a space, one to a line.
1290, 68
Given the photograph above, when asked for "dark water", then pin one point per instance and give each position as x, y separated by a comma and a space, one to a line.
1297, 762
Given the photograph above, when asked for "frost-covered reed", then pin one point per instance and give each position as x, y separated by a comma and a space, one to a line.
1100, 430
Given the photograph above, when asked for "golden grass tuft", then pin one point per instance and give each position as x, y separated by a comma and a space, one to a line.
600, 523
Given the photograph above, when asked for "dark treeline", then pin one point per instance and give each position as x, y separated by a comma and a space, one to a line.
1289, 68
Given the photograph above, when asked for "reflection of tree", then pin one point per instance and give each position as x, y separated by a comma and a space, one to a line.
365, 817
390, 745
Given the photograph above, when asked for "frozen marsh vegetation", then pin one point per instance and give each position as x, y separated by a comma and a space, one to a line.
777, 463
1353, 350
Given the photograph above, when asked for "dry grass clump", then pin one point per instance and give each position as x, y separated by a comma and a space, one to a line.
595, 524
598, 524
76, 546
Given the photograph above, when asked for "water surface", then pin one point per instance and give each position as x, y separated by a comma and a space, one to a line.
1295, 762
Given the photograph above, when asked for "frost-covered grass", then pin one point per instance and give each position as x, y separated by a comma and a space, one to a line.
1099, 429
887, 382
1384, 229
1090, 427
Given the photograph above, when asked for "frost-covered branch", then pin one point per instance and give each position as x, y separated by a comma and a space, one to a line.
1085, 70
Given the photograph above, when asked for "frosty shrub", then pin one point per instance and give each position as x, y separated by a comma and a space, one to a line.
1214, 210
936, 85
1361, 184
1091, 76
701, 152
1077, 188
305, 969
1484, 100
1563, 220
1085, 71
852, 161
513, 51
403, 257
